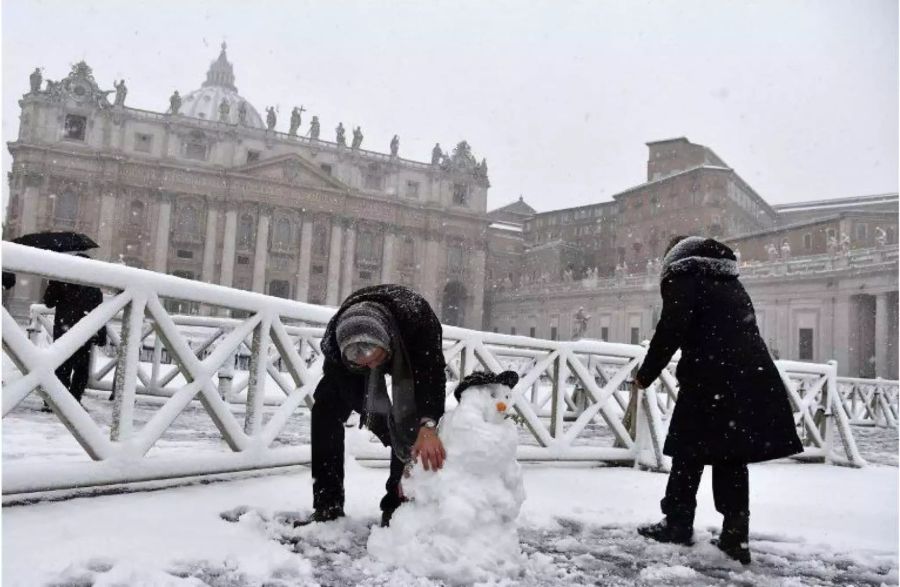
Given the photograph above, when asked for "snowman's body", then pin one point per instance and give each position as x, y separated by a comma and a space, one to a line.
460, 524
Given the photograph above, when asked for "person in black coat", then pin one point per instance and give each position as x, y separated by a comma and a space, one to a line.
73, 302
378, 330
732, 406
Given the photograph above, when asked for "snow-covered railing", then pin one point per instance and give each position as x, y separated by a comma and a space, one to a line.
572, 398
872, 402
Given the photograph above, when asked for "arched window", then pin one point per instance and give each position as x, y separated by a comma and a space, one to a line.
408, 252
245, 232
187, 220
320, 239
282, 236
455, 256
66, 209
136, 212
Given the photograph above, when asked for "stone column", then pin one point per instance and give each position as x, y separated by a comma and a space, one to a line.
229, 241
477, 271
883, 343
30, 204
161, 252
262, 251
431, 264
387, 255
349, 260
841, 334
333, 283
107, 223
210, 244
306, 232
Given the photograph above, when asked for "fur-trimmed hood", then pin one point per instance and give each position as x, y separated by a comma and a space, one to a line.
700, 256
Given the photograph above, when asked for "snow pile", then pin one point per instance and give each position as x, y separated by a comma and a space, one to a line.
460, 524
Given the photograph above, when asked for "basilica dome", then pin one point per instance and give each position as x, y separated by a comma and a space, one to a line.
219, 85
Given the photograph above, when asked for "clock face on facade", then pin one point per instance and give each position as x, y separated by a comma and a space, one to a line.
80, 91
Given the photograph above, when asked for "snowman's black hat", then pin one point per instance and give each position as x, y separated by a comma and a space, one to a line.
507, 378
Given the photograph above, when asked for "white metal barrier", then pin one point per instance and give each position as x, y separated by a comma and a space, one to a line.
565, 388
870, 402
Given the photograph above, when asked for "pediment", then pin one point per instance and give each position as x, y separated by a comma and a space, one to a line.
293, 169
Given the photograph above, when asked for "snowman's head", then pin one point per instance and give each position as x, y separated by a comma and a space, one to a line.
494, 391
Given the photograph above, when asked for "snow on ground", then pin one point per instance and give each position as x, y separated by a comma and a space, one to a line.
810, 525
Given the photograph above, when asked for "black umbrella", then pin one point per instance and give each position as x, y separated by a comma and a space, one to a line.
61, 242
9, 279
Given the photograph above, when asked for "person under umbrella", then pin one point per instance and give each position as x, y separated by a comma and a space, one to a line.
73, 302
378, 330
732, 406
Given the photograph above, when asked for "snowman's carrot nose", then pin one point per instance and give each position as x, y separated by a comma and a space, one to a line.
501, 406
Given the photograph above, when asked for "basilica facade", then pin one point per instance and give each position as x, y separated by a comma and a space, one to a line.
209, 190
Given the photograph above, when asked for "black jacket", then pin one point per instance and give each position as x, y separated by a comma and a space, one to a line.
732, 404
73, 302
421, 336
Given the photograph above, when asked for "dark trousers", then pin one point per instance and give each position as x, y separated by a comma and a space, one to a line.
75, 371
329, 413
731, 490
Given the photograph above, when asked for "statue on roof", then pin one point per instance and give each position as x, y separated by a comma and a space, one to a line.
880, 236
395, 145
121, 92
581, 323
357, 138
339, 138
314, 128
224, 111
174, 102
242, 113
296, 116
436, 154
271, 119
36, 79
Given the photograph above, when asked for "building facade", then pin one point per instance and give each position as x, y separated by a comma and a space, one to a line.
207, 190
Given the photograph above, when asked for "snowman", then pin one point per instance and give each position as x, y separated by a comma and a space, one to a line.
460, 522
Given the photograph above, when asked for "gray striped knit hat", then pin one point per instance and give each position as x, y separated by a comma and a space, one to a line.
364, 322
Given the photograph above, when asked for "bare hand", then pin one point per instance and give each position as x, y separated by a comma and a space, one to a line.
636, 385
430, 448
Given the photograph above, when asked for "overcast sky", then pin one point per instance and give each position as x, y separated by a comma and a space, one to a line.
801, 98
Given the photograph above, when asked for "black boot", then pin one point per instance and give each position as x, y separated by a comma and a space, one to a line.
735, 538
326, 515
671, 530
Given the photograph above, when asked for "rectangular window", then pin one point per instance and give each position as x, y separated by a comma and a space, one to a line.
412, 190
604, 333
143, 143
318, 269
553, 333
252, 156
807, 241
372, 181
496, 329
195, 150
532, 331
326, 168
75, 127
243, 260
635, 335
184, 254
806, 344
460, 194
365, 275
455, 258
861, 231
512, 330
